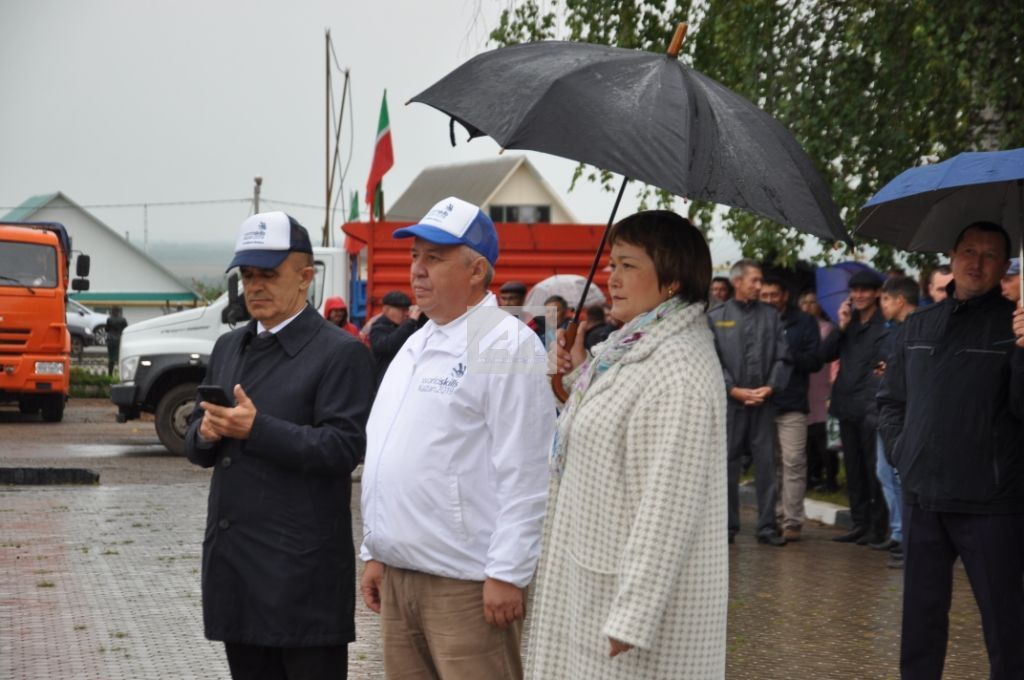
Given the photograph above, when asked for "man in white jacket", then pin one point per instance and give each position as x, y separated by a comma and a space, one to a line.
455, 480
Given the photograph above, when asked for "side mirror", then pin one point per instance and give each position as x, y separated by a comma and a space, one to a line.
236, 311
81, 284
81, 268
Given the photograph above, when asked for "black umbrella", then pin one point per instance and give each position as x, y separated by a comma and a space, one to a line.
645, 116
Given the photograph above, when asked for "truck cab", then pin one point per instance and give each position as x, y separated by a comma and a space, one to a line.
34, 341
163, 360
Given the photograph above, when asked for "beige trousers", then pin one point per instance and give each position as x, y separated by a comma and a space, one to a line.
434, 629
791, 467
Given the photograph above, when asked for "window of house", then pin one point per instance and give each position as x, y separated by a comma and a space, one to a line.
525, 214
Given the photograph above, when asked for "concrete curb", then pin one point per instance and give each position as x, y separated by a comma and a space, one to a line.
820, 511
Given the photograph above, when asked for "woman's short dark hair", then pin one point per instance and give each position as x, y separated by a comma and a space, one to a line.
678, 249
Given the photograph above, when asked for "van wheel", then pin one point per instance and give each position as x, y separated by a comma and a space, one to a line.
53, 408
172, 416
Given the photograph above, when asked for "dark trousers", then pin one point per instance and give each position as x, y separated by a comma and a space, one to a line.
867, 504
822, 462
752, 429
256, 662
990, 547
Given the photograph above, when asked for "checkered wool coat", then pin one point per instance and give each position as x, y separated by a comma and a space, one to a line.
635, 543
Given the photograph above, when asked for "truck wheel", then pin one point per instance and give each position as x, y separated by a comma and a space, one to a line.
28, 406
53, 408
171, 415
77, 346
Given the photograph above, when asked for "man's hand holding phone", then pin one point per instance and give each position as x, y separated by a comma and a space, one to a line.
845, 313
222, 419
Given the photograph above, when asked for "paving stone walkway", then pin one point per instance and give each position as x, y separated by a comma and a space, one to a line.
103, 582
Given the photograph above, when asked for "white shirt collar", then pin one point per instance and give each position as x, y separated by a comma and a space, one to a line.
276, 329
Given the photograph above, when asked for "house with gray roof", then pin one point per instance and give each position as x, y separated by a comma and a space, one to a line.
120, 273
508, 188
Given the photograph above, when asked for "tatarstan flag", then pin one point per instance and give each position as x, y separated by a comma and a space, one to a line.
383, 159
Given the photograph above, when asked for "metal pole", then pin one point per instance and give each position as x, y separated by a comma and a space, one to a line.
328, 180
258, 181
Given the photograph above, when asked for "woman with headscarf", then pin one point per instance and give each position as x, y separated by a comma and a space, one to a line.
633, 577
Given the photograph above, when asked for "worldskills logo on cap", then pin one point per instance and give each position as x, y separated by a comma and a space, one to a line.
265, 231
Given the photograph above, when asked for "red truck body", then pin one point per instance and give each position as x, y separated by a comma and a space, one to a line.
529, 253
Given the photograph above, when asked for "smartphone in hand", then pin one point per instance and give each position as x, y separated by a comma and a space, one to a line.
215, 394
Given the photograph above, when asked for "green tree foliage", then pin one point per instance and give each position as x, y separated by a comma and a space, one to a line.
868, 87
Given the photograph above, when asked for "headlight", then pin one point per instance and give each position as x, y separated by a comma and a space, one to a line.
128, 367
49, 368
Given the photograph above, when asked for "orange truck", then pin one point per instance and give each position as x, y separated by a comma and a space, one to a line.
529, 253
35, 345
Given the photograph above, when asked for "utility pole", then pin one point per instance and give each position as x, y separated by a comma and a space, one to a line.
258, 181
325, 237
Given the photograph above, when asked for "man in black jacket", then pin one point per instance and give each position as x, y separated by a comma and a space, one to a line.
392, 328
278, 559
791, 406
858, 346
952, 417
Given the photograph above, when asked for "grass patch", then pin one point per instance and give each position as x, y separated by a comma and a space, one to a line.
46, 584
86, 384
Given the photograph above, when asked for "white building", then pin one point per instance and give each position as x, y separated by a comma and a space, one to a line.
508, 188
120, 274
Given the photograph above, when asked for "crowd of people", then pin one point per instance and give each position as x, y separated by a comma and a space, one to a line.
602, 522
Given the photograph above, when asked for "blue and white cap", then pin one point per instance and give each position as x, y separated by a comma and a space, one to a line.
265, 239
456, 222
1014, 267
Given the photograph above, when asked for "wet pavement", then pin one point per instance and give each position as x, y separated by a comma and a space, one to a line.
103, 582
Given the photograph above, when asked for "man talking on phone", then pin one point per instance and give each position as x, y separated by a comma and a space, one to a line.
278, 560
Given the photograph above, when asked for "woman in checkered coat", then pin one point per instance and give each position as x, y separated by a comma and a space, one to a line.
633, 577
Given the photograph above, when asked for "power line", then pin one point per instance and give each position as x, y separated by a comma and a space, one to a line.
164, 204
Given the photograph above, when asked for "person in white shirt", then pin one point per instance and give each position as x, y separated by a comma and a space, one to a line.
455, 480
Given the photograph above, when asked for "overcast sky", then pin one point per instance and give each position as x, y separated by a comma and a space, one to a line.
139, 101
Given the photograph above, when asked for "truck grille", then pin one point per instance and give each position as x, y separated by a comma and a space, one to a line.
13, 340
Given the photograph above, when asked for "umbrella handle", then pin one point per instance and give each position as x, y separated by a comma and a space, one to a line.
556, 380
677, 39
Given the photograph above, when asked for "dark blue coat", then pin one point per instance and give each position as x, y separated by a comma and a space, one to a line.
278, 558
952, 403
804, 342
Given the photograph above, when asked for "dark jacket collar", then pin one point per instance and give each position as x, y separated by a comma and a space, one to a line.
977, 302
295, 335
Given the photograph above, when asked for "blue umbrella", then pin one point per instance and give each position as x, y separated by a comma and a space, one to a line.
925, 208
832, 284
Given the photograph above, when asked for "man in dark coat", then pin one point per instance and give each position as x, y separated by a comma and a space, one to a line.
791, 406
952, 407
278, 559
392, 328
858, 346
751, 344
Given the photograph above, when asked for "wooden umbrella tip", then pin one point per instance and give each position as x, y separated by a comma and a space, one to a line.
677, 39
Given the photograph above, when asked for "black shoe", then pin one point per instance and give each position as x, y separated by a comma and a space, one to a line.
887, 544
732, 538
771, 539
897, 547
895, 560
850, 536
